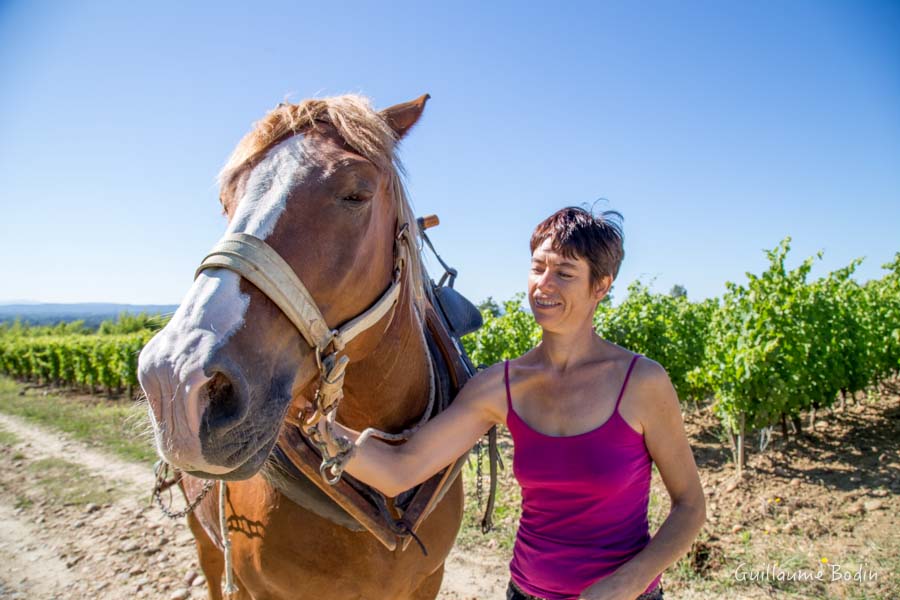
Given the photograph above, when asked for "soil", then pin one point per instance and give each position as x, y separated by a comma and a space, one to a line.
125, 548
828, 497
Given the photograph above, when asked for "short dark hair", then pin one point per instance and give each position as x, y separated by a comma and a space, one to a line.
576, 232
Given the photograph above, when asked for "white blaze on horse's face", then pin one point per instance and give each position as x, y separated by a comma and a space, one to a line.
269, 186
173, 366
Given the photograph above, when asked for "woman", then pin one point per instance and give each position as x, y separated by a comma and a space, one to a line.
587, 418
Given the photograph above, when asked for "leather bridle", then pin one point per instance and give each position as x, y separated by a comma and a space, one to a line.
257, 262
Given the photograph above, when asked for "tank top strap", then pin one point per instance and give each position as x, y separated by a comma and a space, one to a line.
506, 381
624, 383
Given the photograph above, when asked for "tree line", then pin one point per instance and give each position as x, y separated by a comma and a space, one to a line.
768, 350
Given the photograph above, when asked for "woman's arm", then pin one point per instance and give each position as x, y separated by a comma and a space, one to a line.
393, 469
668, 445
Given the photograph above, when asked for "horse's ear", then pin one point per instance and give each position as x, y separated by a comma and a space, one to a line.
401, 117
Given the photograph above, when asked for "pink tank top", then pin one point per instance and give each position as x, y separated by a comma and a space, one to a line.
584, 503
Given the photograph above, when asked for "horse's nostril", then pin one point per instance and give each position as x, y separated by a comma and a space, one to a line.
224, 404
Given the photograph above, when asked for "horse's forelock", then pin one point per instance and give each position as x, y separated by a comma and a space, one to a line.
361, 127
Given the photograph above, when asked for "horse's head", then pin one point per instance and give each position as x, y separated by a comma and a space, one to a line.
319, 183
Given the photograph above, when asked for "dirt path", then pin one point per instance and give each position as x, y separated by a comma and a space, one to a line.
129, 477
75, 522
34, 565
86, 530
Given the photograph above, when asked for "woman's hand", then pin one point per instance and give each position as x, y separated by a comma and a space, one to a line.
611, 588
393, 469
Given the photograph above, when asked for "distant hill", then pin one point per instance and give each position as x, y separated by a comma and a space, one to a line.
92, 313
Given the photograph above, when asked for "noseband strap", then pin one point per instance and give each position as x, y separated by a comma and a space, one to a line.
256, 261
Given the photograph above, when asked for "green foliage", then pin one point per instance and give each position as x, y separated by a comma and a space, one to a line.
86, 360
491, 306
758, 344
19, 329
133, 323
882, 299
666, 328
509, 335
782, 345
776, 345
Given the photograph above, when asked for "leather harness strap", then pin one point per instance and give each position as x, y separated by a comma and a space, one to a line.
256, 261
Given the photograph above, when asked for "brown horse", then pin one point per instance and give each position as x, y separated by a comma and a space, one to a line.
319, 182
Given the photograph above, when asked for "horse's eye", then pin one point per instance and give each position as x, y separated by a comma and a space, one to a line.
356, 198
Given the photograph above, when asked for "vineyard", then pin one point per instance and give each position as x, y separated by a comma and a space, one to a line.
69, 354
769, 350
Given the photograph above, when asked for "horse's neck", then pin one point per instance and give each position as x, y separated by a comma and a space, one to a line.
389, 388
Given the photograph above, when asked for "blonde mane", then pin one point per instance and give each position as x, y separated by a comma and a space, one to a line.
363, 129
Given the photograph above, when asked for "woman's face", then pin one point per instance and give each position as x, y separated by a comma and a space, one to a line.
559, 289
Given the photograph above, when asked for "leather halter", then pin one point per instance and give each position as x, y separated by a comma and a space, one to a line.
257, 262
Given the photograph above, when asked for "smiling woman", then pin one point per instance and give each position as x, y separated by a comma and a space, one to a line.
558, 267
588, 419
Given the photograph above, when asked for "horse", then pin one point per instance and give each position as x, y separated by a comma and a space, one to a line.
320, 183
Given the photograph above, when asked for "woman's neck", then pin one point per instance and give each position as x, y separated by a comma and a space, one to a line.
564, 351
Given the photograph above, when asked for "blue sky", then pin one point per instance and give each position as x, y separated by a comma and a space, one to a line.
716, 128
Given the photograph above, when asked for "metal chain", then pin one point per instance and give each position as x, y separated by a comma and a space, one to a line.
479, 473
479, 483
162, 470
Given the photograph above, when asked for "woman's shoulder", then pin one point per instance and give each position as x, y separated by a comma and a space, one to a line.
487, 390
528, 362
488, 376
645, 368
649, 372
650, 392
489, 386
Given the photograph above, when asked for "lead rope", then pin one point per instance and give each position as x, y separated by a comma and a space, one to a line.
230, 587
